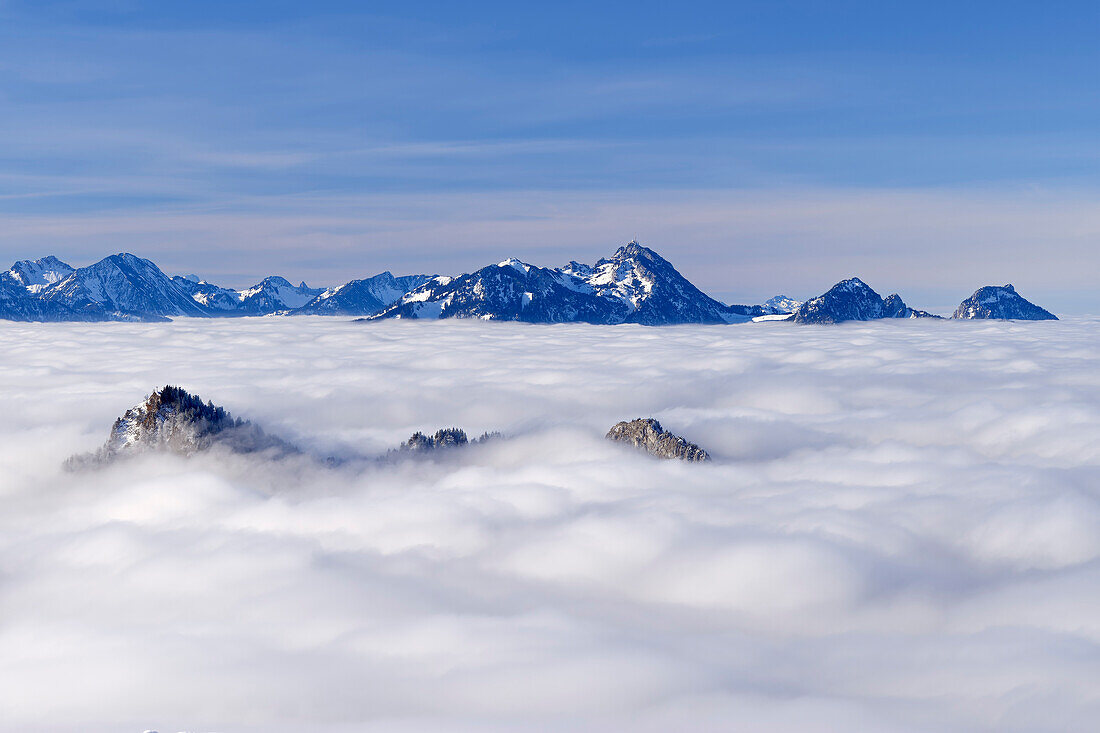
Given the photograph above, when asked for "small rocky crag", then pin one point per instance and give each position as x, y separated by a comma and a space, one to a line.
1002, 302
647, 434
173, 420
445, 438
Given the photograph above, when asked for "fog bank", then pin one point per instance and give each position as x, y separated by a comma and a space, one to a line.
900, 530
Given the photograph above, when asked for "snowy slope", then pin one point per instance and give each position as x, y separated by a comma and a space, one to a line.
274, 294
509, 291
780, 304
36, 275
361, 297
655, 292
126, 284
216, 299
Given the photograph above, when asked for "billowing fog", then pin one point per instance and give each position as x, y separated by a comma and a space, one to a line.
899, 530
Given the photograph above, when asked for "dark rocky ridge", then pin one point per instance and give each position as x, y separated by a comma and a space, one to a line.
648, 435
1001, 302
854, 300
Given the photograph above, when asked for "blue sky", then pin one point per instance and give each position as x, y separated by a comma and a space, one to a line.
762, 147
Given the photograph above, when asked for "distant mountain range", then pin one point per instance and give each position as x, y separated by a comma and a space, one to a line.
634, 285
854, 300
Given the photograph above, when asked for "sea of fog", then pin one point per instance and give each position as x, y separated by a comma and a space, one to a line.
900, 530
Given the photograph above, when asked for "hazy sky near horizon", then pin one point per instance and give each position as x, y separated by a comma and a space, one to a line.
762, 147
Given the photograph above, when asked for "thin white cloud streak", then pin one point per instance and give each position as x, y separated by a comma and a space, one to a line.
898, 532
932, 243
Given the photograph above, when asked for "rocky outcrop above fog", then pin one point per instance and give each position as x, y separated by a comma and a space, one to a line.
172, 420
1001, 302
648, 435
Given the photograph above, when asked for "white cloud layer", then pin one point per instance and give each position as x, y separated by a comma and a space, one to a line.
900, 530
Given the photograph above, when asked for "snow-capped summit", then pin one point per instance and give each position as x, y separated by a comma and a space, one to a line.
274, 293
1003, 301
780, 304
655, 293
37, 275
854, 300
123, 284
515, 264
362, 297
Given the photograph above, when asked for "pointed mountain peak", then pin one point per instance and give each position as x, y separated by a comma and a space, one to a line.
852, 283
515, 264
634, 250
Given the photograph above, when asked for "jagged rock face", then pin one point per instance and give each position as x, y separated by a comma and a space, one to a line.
175, 421
1001, 302
362, 297
647, 434
854, 300
509, 291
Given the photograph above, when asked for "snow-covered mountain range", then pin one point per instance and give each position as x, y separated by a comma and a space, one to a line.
124, 287
634, 285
